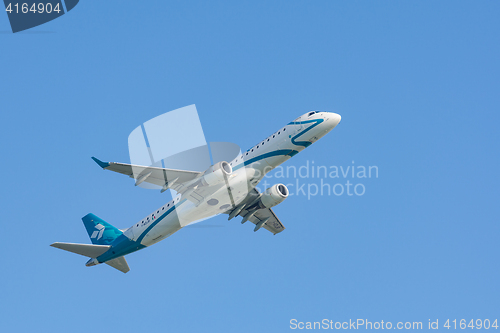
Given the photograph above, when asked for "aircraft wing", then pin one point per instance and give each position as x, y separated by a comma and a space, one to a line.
152, 175
274, 224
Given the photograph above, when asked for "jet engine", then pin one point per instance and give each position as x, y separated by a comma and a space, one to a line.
216, 173
274, 195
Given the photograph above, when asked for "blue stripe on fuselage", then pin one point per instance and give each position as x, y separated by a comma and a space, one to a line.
305, 143
124, 245
289, 152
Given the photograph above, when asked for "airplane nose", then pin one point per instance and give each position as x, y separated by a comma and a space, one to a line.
333, 119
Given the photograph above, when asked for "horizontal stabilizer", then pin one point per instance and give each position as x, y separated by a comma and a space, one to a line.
120, 264
87, 250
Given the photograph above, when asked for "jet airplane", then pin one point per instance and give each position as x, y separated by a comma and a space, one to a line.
225, 187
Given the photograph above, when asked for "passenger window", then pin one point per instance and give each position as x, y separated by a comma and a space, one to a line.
278, 133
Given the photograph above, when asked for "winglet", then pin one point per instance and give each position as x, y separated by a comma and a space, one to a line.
102, 164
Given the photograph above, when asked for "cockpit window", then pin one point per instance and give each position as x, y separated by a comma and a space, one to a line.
311, 113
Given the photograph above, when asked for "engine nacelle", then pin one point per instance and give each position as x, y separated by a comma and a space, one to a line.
216, 173
274, 195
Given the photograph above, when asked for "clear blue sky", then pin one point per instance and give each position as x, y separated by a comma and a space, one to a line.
417, 85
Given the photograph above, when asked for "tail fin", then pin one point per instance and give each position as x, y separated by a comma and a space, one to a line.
100, 231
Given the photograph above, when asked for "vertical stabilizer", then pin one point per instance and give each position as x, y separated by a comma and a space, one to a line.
100, 231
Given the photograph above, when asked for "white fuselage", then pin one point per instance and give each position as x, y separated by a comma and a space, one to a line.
248, 170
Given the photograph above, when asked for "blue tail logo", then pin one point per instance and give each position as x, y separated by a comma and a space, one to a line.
100, 231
